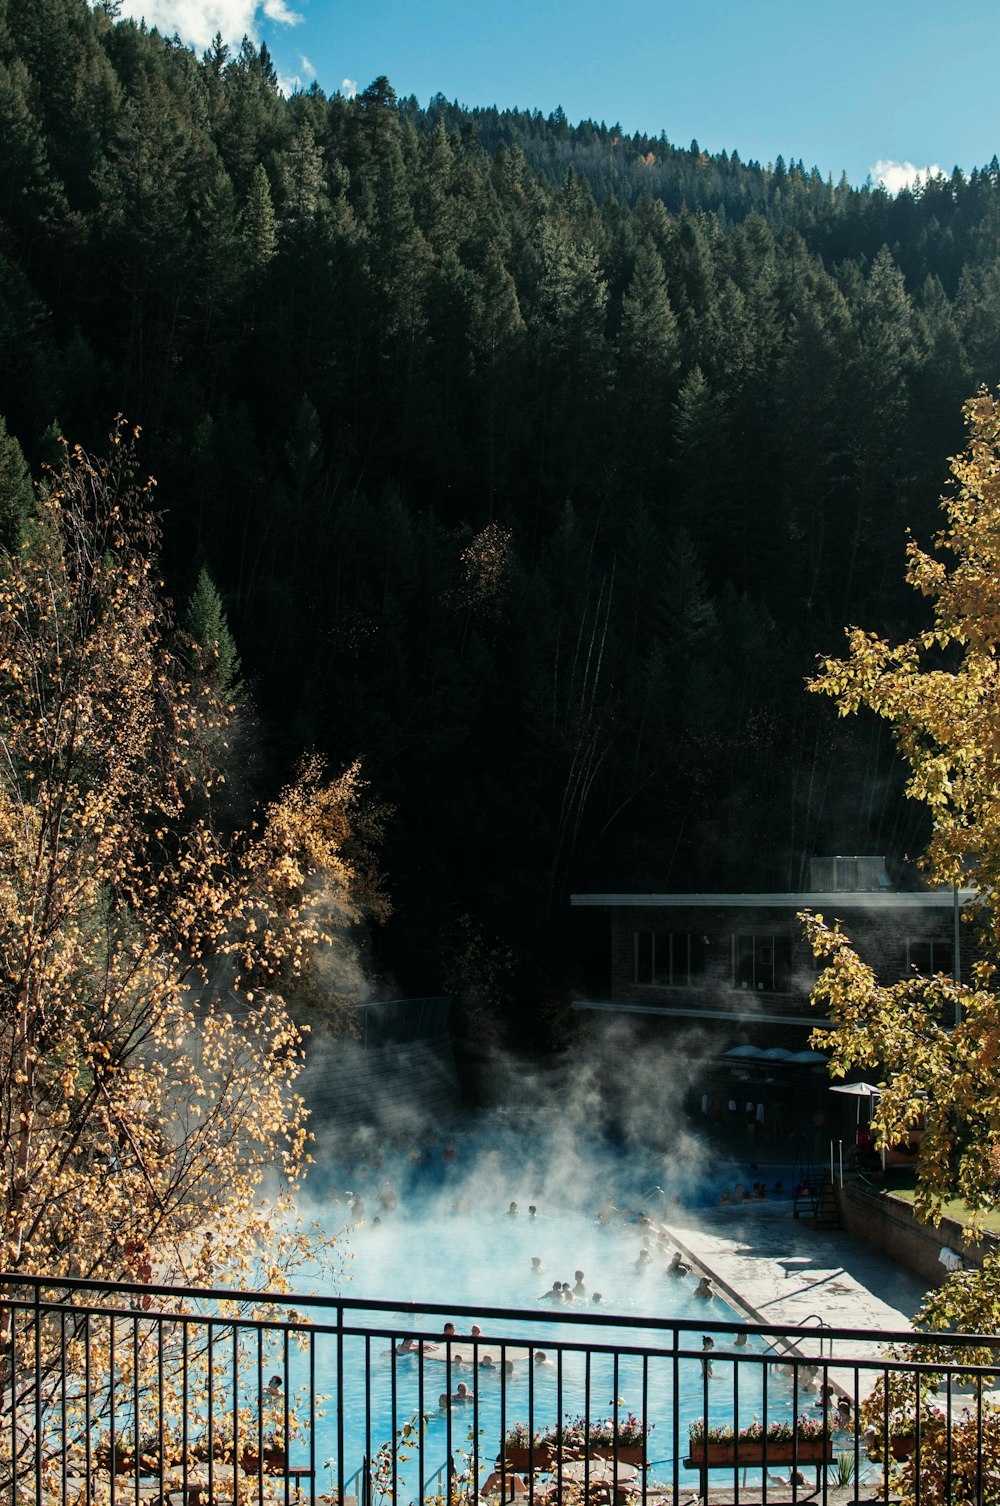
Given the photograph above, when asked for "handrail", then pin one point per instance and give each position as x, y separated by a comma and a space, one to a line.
650, 1194
802, 1323
361, 1471
301, 1304
820, 1323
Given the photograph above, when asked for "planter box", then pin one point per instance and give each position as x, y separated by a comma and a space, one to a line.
901, 1446
546, 1455
754, 1455
275, 1461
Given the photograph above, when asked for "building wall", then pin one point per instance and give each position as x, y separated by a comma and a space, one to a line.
880, 936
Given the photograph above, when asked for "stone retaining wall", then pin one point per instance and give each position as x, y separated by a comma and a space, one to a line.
889, 1224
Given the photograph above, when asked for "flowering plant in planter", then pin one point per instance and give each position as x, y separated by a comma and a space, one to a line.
804, 1429
601, 1432
577, 1434
519, 1437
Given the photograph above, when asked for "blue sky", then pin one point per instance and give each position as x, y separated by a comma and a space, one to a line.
844, 86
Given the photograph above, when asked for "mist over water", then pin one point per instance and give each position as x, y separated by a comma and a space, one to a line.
425, 1207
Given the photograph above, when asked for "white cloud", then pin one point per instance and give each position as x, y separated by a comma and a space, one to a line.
277, 10
896, 175
197, 21
306, 66
348, 87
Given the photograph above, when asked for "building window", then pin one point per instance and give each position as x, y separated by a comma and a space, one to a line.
763, 963
669, 959
928, 957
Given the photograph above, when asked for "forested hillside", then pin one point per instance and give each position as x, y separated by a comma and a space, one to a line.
534, 462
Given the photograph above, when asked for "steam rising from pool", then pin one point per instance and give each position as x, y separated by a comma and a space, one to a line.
440, 1213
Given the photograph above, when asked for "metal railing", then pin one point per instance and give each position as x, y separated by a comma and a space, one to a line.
117, 1392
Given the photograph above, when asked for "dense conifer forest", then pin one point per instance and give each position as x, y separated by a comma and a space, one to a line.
531, 462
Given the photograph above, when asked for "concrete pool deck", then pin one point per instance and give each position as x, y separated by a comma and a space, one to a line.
778, 1270
782, 1271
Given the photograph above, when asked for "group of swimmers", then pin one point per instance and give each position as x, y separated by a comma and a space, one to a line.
561, 1291
757, 1193
675, 1266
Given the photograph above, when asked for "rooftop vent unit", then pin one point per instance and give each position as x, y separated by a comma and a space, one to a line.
850, 875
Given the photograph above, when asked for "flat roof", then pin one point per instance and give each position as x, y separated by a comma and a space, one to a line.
851, 899
735, 1016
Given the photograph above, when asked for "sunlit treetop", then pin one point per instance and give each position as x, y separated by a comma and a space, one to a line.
148, 1116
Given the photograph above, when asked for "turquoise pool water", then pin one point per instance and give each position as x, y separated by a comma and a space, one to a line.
452, 1238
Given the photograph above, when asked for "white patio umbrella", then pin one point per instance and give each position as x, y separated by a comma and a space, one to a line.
859, 1090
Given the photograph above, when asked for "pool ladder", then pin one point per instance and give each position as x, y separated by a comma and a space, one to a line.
654, 1194
813, 1318
362, 1480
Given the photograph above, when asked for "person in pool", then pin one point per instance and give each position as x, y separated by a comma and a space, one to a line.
704, 1288
512, 1211
554, 1293
536, 1265
579, 1289
387, 1196
597, 1300
676, 1266
542, 1361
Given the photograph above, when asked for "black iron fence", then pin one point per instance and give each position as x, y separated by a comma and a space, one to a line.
117, 1392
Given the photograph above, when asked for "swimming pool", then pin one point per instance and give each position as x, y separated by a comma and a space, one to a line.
451, 1221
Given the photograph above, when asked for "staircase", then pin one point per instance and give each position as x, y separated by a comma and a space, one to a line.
815, 1198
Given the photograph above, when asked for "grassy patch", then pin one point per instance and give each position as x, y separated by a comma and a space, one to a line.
956, 1209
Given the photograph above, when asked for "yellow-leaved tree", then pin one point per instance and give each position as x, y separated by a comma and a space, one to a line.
149, 1123
933, 1044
